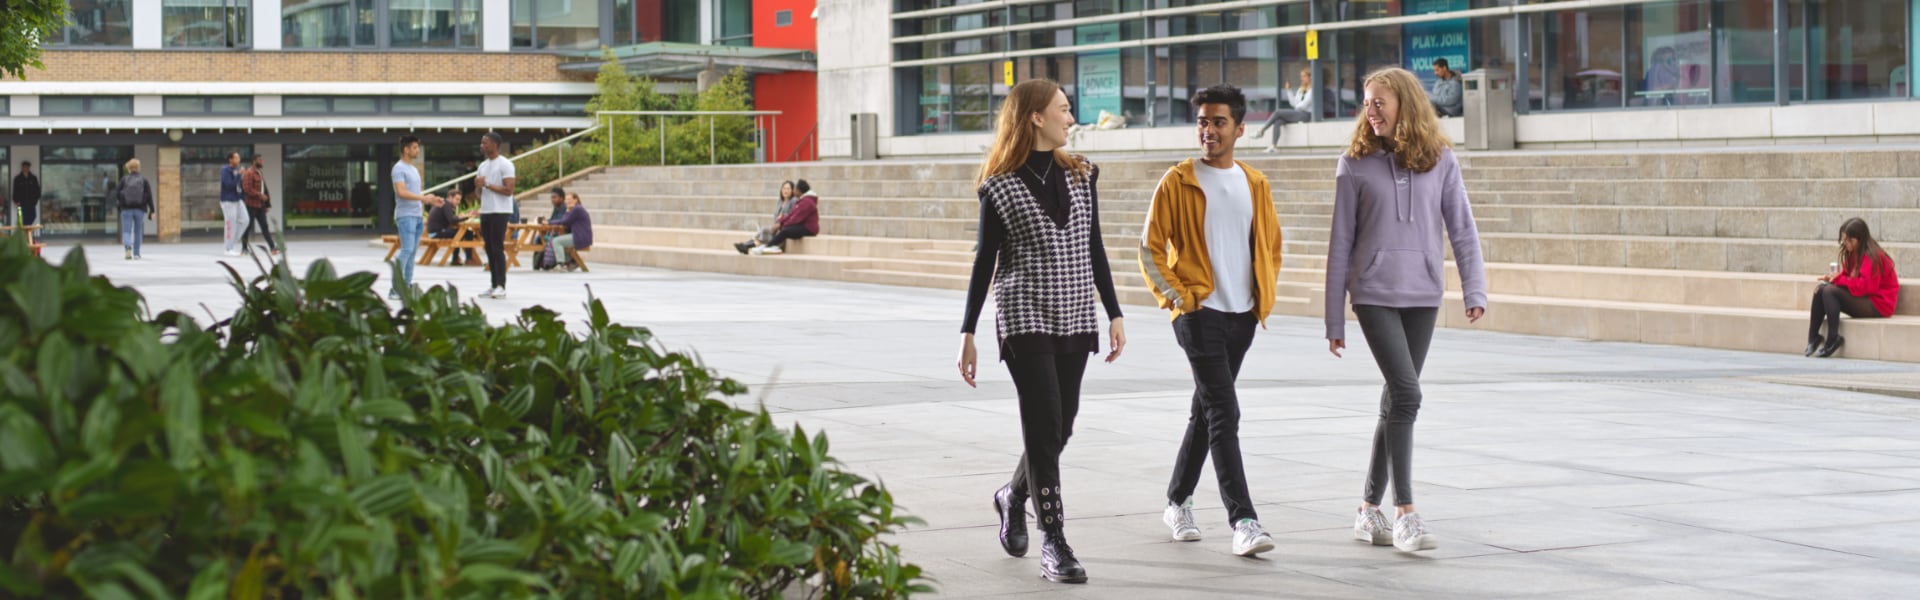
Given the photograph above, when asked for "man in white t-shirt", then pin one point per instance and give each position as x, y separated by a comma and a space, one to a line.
495, 179
1216, 216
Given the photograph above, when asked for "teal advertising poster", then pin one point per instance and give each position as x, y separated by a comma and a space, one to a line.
1097, 74
1446, 39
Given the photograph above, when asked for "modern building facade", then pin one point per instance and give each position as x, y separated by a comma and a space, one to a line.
321, 89
1585, 73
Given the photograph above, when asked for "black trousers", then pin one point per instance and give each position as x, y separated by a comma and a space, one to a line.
1049, 388
1399, 338
1829, 301
493, 231
1216, 343
30, 214
257, 217
787, 233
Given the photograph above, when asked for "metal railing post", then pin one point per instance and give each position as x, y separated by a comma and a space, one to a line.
610, 131
663, 140
710, 143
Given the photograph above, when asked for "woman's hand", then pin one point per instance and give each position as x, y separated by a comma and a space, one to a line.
1335, 346
1117, 337
1828, 278
1474, 314
968, 359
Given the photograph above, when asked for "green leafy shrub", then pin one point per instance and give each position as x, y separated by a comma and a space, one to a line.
317, 444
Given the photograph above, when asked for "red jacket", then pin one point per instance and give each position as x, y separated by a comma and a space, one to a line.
806, 212
1882, 288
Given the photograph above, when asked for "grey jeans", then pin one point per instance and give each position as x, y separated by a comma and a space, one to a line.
1398, 338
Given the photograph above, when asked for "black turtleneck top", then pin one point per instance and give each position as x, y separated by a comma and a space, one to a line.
1048, 184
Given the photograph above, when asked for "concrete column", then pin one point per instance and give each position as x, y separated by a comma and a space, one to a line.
166, 194
24, 106
266, 25
496, 25
275, 178
147, 26
148, 106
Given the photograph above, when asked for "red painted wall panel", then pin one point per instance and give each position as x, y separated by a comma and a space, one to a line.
794, 94
798, 36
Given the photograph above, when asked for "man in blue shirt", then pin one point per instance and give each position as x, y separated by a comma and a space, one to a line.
232, 210
1446, 90
407, 213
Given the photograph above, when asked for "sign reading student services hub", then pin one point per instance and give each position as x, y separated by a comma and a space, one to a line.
1097, 73
1435, 39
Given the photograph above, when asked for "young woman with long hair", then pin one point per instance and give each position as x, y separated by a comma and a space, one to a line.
1397, 191
1040, 251
1864, 286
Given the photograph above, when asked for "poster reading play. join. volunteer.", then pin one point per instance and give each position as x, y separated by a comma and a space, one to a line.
1097, 74
1423, 42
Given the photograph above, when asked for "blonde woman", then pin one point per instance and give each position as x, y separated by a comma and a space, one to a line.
136, 207
1398, 190
1041, 253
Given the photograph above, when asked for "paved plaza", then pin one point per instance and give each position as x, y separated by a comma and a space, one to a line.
1547, 467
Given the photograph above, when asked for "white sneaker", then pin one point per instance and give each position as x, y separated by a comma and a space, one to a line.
1410, 534
1179, 518
1272, 149
1250, 539
772, 250
496, 293
232, 253
757, 250
1371, 526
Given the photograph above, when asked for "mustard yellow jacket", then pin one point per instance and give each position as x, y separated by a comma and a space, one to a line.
1173, 246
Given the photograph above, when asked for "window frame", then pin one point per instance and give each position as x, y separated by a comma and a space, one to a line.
88, 110
383, 30
244, 22
206, 104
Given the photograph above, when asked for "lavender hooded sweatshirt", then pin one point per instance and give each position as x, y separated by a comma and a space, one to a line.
1387, 225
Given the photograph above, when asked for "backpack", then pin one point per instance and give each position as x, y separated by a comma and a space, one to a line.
133, 197
543, 259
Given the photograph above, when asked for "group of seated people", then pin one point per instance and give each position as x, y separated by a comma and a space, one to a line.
443, 222
796, 215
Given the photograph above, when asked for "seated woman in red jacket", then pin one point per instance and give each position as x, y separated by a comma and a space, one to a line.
803, 220
1865, 287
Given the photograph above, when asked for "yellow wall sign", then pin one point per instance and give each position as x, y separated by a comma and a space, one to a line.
1008, 70
1313, 44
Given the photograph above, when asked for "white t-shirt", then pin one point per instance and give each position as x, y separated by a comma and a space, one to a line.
496, 171
1229, 233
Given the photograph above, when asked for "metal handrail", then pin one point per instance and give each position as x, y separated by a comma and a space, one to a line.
806, 141
517, 157
712, 153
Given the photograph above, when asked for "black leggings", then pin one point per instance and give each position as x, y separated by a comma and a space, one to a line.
1829, 301
1049, 388
1399, 338
789, 232
257, 217
493, 229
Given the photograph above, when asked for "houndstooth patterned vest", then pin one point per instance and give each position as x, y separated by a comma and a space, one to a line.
1043, 283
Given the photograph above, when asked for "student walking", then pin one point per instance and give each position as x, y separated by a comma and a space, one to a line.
136, 207
495, 179
258, 200
408, 214
1040, 250
26, 194
233, 208
1397, 191
1210, 251
1863, 284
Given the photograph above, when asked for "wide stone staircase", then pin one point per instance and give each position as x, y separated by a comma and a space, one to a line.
1714, 249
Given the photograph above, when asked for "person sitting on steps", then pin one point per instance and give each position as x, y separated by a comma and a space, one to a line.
784, 204
803, 220
1863, 285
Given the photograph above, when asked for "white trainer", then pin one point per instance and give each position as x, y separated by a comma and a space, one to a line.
1410, 534
1179, 518
1250, 539
1371, 526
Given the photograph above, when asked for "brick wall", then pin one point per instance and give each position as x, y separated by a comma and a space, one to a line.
151, 65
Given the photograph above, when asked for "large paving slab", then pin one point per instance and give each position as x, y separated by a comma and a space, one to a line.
1548, 467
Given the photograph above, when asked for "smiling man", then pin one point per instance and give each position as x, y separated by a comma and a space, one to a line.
1211, 254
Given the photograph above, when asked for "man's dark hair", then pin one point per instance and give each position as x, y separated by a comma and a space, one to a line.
1441, 62
257, 157
556, 191
26, 163
801, 187
494, 136
233, 155
1227, 94
408, 140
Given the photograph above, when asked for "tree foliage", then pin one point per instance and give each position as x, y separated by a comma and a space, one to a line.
26, 26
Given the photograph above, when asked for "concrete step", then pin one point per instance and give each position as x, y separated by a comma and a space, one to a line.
1740, 255
1784, 223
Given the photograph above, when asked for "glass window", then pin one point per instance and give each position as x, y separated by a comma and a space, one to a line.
208, 105
556, 24
433, 23
412, 104
98, 23
200, 184
296, 105
1188, 68
330, 185
1356, 53
316, 24
1743, 65
1669, 54
459, 104
75, 183
206, 23
1848, 49
733, 22
1585, 59
973, 96
447, 161
549, 105
783, 18
86, 105
6, 107
356, 105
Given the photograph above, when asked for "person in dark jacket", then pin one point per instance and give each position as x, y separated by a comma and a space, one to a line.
803, 220
784, 204
26, 194
579, 231
443, 222
258, 200
136, 206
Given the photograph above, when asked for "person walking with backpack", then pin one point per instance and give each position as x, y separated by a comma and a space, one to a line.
1040, 251
1210, 251
1397, 192
136, 207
